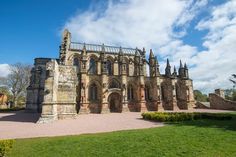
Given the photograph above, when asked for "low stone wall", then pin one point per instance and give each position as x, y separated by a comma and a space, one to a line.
202, 105
217, 102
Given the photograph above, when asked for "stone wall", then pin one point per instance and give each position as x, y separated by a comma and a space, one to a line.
202, 105
217, 102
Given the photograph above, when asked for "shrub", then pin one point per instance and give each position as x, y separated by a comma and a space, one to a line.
5, 147
183, 116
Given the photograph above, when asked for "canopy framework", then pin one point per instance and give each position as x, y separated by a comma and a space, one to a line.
98, 48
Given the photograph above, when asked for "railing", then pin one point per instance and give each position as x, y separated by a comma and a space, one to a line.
98, 48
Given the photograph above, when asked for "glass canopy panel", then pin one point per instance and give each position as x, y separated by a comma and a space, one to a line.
98, 48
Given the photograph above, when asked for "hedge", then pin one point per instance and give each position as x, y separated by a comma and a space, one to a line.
5, 147
183, 116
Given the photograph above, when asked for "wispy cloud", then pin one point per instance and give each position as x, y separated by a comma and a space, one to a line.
152, 24
4, 70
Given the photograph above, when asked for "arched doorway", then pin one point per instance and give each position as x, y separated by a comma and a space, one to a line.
114, 101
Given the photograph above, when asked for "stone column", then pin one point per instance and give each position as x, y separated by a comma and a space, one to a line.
84, 95
104, 103
142, 101
49, 106
159, 100
84, 84
174, 100
124, 93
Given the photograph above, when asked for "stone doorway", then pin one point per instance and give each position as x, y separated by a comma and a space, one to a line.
114, 101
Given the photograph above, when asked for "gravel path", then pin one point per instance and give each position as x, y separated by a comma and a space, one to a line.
23, 125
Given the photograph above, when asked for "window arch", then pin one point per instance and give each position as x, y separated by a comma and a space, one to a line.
109, 67
76, 62
92, 66
147, 93
93, 92
127, 68
130, 93
114, 84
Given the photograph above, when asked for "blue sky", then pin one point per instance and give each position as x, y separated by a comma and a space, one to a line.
30, 28
198, 32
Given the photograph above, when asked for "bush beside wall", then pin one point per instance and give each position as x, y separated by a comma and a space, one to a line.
183, 116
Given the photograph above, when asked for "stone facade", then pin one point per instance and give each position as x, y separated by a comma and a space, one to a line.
100, 79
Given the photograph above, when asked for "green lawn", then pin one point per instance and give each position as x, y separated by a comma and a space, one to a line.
209, 138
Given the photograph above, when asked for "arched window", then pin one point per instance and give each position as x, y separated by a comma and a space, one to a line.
147, 93
114, 84
92, 66
127, 69
93, 92
109, 67
76, 62
130, 93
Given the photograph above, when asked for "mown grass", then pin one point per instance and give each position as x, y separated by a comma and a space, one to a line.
201, 138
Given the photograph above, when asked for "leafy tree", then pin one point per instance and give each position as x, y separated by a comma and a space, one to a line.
230, 94
17, 81
199, 96
4, 90
233, 80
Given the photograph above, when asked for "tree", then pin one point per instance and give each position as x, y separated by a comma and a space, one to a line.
4, 90
18, 80
233, 80
230, 94
199, 96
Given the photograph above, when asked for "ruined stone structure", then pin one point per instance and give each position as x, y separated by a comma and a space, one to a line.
218, 101
91, 78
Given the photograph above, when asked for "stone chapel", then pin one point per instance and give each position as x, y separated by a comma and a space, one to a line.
89, 78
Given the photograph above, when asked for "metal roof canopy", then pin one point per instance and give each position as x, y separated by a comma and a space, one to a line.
98, 48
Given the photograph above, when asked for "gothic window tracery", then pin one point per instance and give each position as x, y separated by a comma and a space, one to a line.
130, 92
147, 93
93, 91
114, 84
76, 62
109, 67
92, 66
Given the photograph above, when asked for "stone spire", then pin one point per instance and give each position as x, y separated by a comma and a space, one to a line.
168, 68
174, 74
181, 65
84, 50
181, 70
186, 71
151, 58
65, 44
83, 59
103, 60
143, 52
151, 54
157, 67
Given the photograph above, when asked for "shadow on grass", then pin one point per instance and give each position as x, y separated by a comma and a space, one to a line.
19, 116
207, 123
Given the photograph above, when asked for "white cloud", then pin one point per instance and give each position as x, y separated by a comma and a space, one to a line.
4, 70
152, 24
131, 23
215, 65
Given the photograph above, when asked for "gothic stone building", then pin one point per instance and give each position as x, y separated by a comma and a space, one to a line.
100, 79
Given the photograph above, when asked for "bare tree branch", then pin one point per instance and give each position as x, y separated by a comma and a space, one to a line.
18, 80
